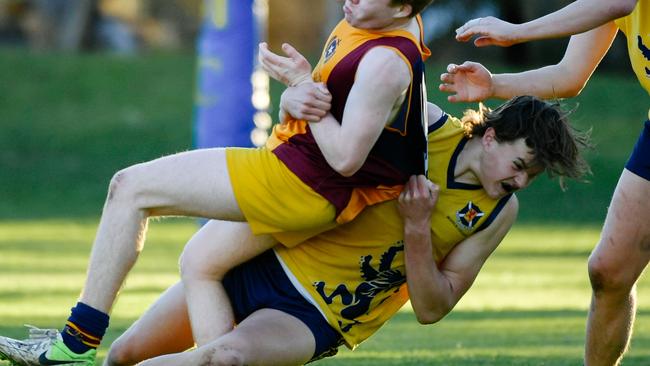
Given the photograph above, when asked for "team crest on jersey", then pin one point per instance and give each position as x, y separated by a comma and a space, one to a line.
468, 216
331, 48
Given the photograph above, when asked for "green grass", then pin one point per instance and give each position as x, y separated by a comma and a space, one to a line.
527, 307
69, 122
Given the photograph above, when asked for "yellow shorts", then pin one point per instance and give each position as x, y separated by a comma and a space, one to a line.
273, 199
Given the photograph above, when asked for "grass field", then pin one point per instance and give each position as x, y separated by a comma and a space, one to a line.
527, 307
68, 122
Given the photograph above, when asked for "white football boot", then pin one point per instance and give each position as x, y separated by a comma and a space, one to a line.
26, 352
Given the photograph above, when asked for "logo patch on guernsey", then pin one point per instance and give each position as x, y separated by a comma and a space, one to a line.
468, 216
331, 48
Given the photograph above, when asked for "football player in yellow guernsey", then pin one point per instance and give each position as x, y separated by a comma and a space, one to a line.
297, 303
621, 254
311, 176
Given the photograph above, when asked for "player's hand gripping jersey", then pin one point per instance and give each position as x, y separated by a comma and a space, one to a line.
356, 273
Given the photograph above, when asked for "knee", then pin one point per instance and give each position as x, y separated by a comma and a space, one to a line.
120, 188
194, 266
120, 355
197, 262
186, 267
607, 275
222, 355
131, 186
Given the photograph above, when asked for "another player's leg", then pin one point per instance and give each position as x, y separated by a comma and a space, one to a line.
614, 267
194, 183
268, 337
164, 328
212, 251
293, 332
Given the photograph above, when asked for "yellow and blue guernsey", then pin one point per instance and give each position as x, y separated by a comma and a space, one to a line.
401, 148
355, 273
636, 27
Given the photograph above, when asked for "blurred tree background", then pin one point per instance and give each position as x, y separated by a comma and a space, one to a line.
90, 86
128, 26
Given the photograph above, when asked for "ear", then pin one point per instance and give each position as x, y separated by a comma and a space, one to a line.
403, 11
489, 138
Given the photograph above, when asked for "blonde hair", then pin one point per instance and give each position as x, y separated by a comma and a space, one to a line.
472, 118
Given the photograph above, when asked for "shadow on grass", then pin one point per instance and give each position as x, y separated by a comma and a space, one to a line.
465, 338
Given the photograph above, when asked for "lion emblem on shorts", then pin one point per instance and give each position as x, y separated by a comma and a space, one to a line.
376, 280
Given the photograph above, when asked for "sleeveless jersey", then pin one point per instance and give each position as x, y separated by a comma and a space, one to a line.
636, 27
401, 149
356, 273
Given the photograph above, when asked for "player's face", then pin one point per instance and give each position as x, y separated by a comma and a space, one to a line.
505, 166
371, 14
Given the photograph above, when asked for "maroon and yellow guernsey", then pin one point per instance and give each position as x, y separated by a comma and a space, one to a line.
401, 150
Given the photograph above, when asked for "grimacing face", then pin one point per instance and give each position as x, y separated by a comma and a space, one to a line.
505, 167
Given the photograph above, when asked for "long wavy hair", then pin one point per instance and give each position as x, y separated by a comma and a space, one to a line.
557, 146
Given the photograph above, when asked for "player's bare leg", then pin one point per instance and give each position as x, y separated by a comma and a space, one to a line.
164, 328
194, 183
209, 306
262, 339
614, 267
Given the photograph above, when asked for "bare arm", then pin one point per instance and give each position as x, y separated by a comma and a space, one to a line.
434, 289
381, 79
308, 101
471, 81
577, 17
